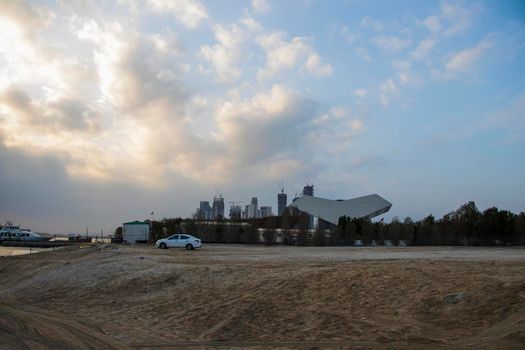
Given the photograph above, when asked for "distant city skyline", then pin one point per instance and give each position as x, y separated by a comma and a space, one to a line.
112, 110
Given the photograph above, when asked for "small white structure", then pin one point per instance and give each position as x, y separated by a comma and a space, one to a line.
135, 231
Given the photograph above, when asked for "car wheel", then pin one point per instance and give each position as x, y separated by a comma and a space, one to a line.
189, 247
163, 246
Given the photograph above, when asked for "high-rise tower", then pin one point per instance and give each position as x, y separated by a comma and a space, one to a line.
282, 200
218, 207
253, 207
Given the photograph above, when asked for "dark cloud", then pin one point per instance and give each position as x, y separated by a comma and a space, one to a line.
66, 114
36, 192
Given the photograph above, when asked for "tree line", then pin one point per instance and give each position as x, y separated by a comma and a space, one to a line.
465, 226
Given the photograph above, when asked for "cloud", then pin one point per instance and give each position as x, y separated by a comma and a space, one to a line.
347, 35
225, 56
363, 53
261, 6
334, 130
391, 43
423, 49
372, 24
405, 74
464, 60
137, 112
265, 127
55, 116
510, 118
432, 23
188, 12
136, 116
452, 19
361, 93
284, 55
388, 89
317, 68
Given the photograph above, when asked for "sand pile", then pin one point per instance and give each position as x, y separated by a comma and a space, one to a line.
260, 297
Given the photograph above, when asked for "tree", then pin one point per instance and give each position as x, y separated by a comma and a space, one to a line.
251, 235
319, 239
469, 218
269, 236
118, 234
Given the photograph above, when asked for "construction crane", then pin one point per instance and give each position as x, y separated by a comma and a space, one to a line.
281, 186
218, 191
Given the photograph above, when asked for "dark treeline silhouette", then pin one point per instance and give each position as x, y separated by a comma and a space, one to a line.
219, 231
464, 226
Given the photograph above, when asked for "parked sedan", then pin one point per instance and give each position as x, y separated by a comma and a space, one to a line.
179, 241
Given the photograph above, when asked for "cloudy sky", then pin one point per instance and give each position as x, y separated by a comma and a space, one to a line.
110, 110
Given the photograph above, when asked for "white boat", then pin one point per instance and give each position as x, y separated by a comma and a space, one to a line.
15, 233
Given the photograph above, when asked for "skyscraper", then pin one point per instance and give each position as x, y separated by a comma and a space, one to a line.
218, 207
204, 212
282, 200
266, 211
252, 209
235, 212
308, 190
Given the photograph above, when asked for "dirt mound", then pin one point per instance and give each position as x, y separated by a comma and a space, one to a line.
259, 297
28, 327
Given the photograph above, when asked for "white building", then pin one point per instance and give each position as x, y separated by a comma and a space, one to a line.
135, 231
329, 210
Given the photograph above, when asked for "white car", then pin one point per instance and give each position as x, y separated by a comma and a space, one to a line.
179, 241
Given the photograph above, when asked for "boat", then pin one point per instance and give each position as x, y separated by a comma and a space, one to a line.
15, 233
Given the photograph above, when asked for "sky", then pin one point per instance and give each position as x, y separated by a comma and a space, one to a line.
111, 110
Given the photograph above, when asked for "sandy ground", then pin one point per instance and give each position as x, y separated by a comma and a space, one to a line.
256, 297
10, 251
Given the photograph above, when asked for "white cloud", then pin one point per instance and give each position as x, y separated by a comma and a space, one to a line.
232, 40
404, 72
118, 108
463, 61
360, 93
453, 18
315, 67
264, 128
391, 43
347, 35
188, 12
423, 49
363, 53
356, 124
333, 131
388, 89
225, 55
370, 23
432, 23
261, 6
282, 55
251, 24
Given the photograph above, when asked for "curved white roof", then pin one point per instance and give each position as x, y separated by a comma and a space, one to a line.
330, 210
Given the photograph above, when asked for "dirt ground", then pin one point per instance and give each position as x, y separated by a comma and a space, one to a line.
257, 297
